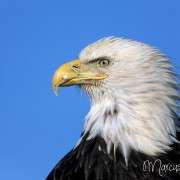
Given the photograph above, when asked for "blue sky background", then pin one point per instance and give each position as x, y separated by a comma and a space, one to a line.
36, 127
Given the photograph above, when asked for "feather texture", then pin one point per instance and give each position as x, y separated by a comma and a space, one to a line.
87, 162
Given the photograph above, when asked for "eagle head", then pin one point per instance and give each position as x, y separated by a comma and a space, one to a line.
134, 94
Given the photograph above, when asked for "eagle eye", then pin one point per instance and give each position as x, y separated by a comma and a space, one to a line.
104, 62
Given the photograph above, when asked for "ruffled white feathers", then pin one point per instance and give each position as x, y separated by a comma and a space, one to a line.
136, 106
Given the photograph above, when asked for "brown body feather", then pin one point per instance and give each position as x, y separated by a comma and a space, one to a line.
91, 161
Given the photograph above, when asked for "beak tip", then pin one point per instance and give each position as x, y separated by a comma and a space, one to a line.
55, 91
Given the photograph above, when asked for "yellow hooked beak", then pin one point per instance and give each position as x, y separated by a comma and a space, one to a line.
71, 74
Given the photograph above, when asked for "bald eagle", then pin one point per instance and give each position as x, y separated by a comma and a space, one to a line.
132, 129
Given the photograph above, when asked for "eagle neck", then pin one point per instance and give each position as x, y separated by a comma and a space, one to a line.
127, 125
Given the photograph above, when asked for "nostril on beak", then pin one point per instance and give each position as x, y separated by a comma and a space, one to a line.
75, 67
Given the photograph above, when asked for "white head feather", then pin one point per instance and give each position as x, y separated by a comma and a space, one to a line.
136, 106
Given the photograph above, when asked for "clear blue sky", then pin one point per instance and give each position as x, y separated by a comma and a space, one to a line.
36, 127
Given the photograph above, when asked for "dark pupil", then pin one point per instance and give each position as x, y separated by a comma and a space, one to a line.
104, 62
